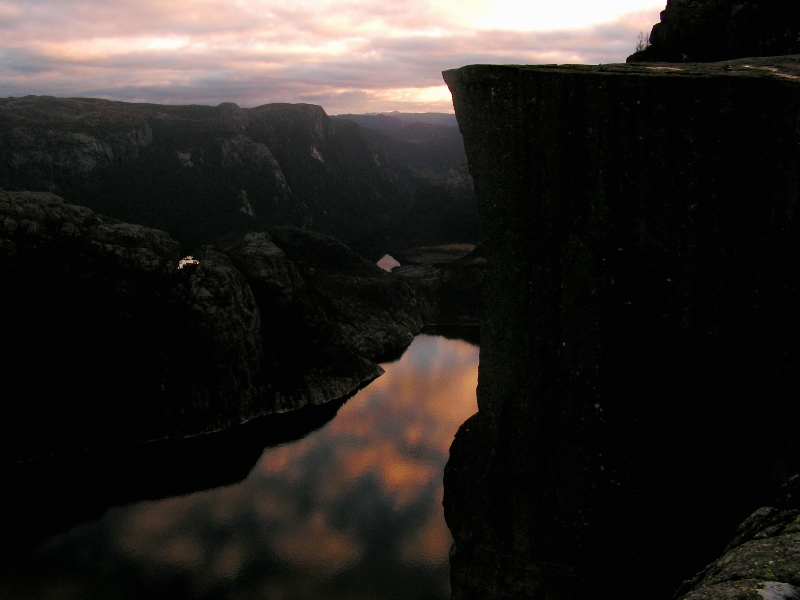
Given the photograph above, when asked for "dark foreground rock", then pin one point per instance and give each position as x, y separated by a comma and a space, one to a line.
762, 561
108, 342
637, 390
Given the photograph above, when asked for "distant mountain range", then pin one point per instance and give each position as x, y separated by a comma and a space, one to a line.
377, 182
390, 121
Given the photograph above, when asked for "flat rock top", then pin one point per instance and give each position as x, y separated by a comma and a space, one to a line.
785, 68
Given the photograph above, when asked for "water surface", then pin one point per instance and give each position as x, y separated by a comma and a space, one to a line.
352, 510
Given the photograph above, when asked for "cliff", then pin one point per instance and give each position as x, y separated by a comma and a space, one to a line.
637, 387
714, 30
107, 342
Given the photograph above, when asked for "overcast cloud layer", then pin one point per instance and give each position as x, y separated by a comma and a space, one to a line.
348, 56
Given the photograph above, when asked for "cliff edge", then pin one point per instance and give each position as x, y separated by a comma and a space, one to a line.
637, 386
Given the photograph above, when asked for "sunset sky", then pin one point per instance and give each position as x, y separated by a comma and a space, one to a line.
348, 56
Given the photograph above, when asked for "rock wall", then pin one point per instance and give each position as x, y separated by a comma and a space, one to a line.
714, 30
637, 389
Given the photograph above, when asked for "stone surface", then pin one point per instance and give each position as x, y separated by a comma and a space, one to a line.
637, 386
714, 30
762, 561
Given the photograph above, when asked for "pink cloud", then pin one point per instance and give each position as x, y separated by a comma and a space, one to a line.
348, 56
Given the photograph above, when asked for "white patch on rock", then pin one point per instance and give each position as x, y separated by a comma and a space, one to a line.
387, 263
185, 158
779, 591
187, 260
315, 153
246, 208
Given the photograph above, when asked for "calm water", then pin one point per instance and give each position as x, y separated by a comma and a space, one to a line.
352, 510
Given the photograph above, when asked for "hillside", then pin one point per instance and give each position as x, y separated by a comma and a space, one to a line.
425, 153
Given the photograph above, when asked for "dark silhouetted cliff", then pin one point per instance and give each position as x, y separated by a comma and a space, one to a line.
638, 374
714, 30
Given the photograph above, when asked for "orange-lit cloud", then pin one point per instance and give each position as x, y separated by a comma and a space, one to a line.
348, 56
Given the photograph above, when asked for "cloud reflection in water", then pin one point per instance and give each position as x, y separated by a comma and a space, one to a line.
353, 510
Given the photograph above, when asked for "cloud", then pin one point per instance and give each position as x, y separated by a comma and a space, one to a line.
348, 56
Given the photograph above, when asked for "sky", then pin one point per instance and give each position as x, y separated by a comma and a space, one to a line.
351, 56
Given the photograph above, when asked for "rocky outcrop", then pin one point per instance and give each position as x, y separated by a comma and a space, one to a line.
761, 561
714, 30
637, 390
103, 326
201, 172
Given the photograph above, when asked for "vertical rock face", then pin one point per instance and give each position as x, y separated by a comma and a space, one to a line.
637, 384
712, 30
